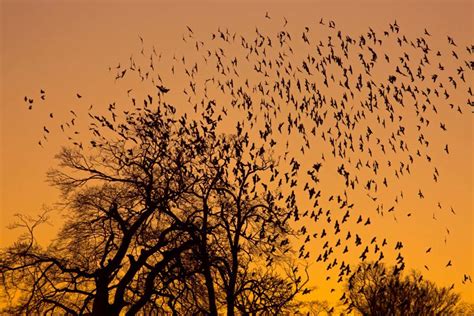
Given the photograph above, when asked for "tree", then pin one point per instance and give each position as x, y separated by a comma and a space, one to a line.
377, 290
156, 215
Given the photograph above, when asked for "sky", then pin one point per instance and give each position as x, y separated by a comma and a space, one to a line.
66, 47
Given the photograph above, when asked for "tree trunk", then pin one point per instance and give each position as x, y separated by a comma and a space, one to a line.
232, 283
211, 295
210, 289
230, 303
101, 304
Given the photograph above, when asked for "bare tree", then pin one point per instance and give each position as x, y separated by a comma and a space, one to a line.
156, 215
243, 226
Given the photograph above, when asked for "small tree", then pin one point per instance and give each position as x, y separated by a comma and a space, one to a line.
376, 290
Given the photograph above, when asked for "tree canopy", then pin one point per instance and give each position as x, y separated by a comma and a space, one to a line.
375, 289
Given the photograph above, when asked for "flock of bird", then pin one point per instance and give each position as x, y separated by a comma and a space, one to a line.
368, 105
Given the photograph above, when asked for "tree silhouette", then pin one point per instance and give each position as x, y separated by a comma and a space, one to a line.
155, 223
377, 290
212, 204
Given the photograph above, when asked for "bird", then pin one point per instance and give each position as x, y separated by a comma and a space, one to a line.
420, 194
466, 278
162, 89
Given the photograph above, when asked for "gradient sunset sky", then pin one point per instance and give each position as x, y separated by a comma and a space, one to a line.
66, 47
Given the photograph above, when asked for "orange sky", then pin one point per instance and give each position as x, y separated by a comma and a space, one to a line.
65, 47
